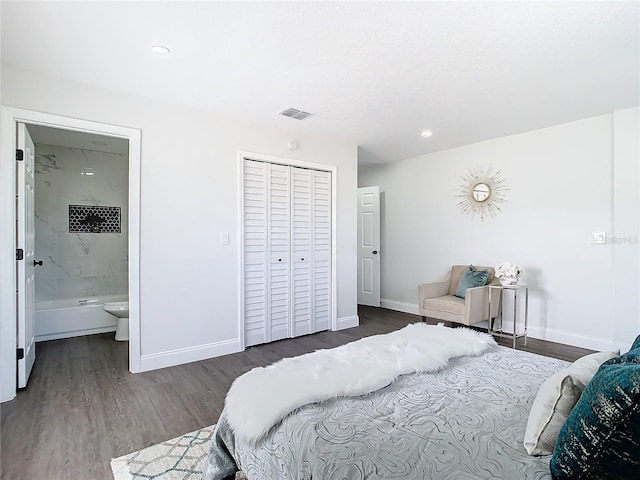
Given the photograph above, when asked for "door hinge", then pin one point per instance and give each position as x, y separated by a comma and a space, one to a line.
19, 254
20, 353
19, 154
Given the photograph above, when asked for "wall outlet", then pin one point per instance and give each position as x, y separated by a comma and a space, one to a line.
224, 238
599, 237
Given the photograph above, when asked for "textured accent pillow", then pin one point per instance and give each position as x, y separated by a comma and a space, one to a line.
601, 437
471, 278
636, 344
555, 400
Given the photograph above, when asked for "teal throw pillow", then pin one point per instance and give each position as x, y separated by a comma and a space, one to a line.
636, 344
600, 439
469, 279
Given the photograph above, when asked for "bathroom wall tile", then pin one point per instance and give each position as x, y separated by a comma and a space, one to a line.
123, 267
76, 287
45, 242
100, 266
48, 271
79, 264
119, 284
101, 283
59, 223
45, 289
64, 266
68, 244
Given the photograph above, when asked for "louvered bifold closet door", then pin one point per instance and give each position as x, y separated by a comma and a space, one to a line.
311, 250
279, 248
302, 241
255, 252
266, 252
321, 234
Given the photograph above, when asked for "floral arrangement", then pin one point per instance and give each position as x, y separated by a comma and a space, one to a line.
507, 269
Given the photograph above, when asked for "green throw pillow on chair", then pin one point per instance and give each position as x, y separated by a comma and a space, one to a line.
469, 279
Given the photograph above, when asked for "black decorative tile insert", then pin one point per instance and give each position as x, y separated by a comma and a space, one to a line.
87, 218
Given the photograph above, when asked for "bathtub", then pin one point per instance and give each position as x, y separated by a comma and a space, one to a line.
74, 317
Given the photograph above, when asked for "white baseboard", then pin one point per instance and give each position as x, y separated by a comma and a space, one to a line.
577, 340
187, 355
348, 322
549, 334
399, 306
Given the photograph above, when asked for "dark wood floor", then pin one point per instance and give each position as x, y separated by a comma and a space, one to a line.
82, 407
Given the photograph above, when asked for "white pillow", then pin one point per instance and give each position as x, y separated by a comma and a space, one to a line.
555, 400
584, 368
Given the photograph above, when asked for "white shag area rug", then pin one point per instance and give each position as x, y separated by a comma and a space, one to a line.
181, 458
263, 396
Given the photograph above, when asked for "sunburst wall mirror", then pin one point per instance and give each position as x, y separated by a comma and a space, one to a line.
482, 192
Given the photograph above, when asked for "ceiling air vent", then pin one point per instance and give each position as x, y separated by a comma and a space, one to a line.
294, 113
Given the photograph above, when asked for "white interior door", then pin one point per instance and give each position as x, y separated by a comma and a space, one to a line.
369, 246
26, 235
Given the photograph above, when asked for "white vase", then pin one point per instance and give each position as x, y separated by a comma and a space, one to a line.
509, 280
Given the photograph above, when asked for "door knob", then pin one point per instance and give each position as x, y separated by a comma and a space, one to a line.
375, 252
37, 263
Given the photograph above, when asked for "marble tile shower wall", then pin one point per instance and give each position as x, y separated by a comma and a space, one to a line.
79, 264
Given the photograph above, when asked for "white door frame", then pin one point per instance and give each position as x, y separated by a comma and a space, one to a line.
242, 155
9, 118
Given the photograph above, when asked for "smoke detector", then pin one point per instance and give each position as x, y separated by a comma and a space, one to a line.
294, 113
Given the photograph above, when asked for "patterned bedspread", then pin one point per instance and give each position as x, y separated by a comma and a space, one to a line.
465, 422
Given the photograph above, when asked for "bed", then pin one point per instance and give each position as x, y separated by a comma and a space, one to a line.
464, 421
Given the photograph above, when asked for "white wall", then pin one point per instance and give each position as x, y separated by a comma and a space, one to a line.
189, 194
80, 264
562, 182
626, 224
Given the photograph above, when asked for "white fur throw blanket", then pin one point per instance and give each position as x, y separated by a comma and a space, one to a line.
263, 396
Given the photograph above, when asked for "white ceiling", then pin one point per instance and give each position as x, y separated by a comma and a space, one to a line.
374, 73
42, 135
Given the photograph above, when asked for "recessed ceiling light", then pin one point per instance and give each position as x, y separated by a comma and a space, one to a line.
160, 50
99, 143
427, 133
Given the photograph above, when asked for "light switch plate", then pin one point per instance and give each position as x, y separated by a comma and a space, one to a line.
599, 237
224, 238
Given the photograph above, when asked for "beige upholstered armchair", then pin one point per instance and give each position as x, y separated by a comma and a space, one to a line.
437, 300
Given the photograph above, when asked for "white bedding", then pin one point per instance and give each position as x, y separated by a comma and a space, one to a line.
263, 396
464, 422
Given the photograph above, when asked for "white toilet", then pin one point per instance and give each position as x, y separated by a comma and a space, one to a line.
120, 310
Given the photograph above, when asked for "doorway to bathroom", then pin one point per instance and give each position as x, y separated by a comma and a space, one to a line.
85, 232
81, 231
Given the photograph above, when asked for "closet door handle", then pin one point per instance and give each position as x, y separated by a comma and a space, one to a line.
375, 252
37, 263
302, 259
279, 259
